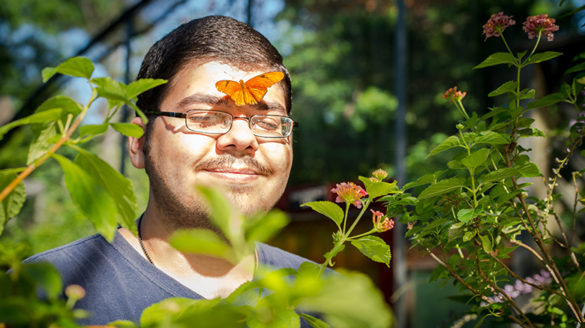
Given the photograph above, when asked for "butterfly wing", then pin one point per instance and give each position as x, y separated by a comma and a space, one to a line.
232, 89
252, 91
258, 85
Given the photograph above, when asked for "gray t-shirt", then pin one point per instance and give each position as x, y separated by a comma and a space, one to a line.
120, 283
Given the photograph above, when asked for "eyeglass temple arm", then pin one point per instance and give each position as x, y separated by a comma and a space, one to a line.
169, 114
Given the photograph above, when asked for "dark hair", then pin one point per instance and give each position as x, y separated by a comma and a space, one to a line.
212, 38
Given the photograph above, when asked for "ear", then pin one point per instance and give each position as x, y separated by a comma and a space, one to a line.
136, 145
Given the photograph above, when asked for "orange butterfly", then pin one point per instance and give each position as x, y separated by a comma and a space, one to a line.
250, 92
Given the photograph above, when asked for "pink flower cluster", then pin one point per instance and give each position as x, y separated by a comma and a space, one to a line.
454, 95
534, 25
381, 222
497, 24
349, 193
540, 24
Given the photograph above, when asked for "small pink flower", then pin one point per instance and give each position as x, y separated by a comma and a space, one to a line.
497, 24
349, 193
540, 24
381, 222
454, 95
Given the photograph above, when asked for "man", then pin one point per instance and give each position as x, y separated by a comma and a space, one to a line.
196, 135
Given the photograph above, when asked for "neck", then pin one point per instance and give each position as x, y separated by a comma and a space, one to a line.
207, 275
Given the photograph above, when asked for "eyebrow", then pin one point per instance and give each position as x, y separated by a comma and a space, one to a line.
199, 98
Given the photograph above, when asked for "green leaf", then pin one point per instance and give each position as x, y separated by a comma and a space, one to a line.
349, 300
528, 170
379, 188
527, 94
581, 80
468, 235
465, 215
220, 209
48, 73
508, 87
41, 143
128, 129
90, 197
486, 243
137, 87
576, 284
201, 241
547, 100
497, 58
40, 117
279, 317
491, 138
375, 248
46, 276
441, 187
499, 174
425, 179
314, 322
118, 187
76, 66
329, 209
93, 129
113, 91
476, 158
336, 250
12, 204
163, 311
265, 226
542, 56
66, 104
450, 142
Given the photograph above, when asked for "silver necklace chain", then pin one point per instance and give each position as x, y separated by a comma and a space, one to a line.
140, 241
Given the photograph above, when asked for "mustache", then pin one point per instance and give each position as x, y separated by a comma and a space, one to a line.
228, 161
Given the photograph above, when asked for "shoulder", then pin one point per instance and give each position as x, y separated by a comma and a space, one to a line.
78, 249
84, 259
278, 258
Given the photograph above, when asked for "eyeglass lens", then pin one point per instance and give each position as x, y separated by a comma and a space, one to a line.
270, 126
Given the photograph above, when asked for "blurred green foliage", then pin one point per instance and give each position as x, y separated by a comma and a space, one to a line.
341, 55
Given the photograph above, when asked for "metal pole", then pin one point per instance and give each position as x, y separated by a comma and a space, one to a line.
249, 12
125, 109
399, 252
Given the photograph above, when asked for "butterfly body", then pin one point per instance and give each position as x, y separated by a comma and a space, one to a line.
252, 91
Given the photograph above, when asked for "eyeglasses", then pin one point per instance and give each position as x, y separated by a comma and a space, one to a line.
217, 122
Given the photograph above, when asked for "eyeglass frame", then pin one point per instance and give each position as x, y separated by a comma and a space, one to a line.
248, 118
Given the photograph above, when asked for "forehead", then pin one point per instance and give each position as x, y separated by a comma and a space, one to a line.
195, 82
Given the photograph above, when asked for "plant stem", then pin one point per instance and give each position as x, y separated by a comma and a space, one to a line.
498, 289
345, 217
355, 222
29, 169
516, 276
536, 45
551, 266
456, 276
506, 43
361, 235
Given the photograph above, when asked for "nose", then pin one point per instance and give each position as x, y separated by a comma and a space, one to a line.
239, 140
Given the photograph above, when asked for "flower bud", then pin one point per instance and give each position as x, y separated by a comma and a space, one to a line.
380, 174
75, 292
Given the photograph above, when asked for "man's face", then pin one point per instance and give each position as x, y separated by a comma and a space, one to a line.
251, 171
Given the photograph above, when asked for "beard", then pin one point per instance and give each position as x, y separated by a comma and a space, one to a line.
177, 214
193, 212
